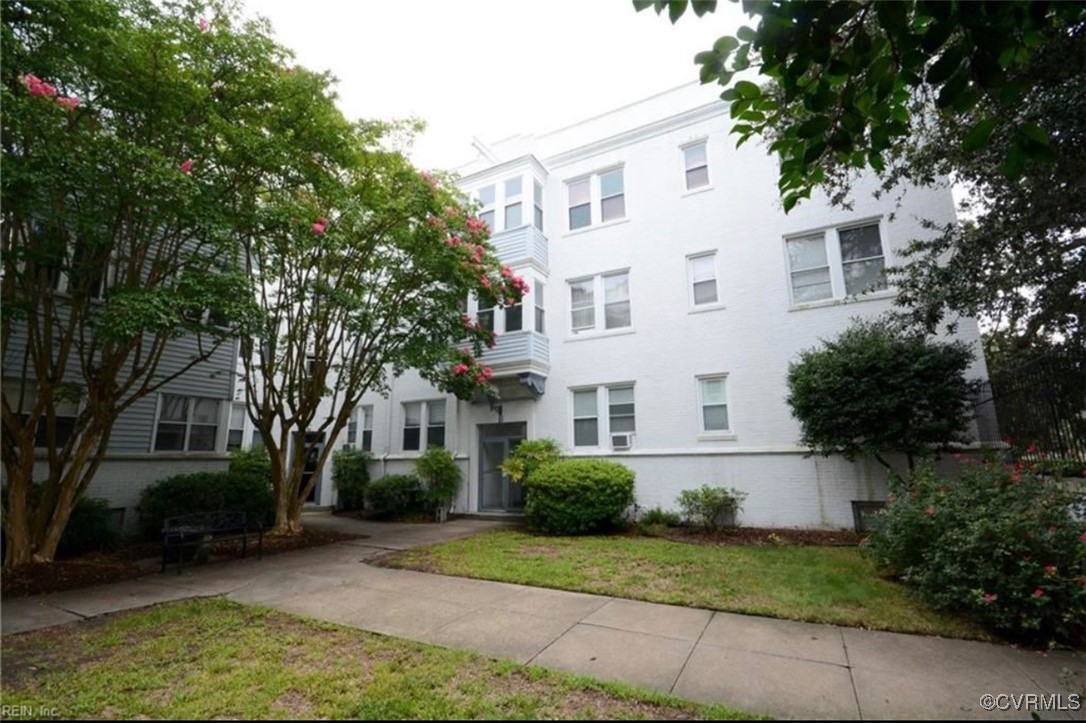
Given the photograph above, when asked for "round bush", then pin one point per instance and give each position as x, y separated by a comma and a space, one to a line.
574, 496
1000, 543
205, 492
396, 494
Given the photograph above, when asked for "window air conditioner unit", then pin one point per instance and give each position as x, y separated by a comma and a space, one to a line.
621, 441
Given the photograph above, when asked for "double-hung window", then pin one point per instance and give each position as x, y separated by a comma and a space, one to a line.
186, 424
589, 427
836, 263
702, 270
514, 208
713, 404
367, 428
236, 431
612, 195
696, 163
537, 196
586, 423
603, 298
539, 311
605, 191
580, 203
418, 436
23, 397
487, 201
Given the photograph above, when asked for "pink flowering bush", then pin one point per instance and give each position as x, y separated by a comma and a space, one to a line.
1001, 543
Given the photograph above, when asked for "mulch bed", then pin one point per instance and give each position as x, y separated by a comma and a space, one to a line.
134, 560
764, 536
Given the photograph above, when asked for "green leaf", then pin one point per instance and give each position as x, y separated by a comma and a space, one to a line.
1035, 133
978, 135
675, 10
814, 127
946, 65
745, 33
724, 45
953, 88
1015, 162
703, 6
640, 5
706, 56
729, 95
814, 152
747, 89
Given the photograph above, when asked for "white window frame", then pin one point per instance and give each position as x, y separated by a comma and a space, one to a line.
230, 424
704, 433
509, 199
424, 424
686, 167
65, 409
832, 240
596, 198
220, 424
366, 426
599, 304
690, 281
602, 393
537, 204
539, 317
491, 207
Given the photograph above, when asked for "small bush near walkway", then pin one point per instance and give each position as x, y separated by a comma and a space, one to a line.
396, 494
350, 473
1001, 544
245, 490
711, 508
574, 496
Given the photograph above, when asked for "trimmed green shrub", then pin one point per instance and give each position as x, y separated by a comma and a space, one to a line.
574, 496
660, 516
1000, 543
440, 476
876, 389
92, 527
528, 456
396, 494
712, 508
350, 474
254, 462
205, 492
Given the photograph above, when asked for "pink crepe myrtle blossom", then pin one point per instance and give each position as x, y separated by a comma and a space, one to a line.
203, 24
1050, 570
186, 166
460, 369
318, 228
485, 281
429, 178
475, 225
1039, 592
452, 212
990, 597
68, 103
930, 512
1082, 537
38, 87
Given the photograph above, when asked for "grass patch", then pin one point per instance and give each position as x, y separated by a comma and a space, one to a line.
209, 659
796, 582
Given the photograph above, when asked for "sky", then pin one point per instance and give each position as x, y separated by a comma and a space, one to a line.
490, 68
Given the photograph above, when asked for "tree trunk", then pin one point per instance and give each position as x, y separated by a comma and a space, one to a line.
19, 547
285, 492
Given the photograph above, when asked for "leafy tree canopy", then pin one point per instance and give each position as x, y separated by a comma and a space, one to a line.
853, 67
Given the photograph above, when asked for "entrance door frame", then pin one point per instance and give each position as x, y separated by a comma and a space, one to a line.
508, 438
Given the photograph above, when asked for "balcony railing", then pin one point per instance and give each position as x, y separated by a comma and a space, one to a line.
518, 351
521, 245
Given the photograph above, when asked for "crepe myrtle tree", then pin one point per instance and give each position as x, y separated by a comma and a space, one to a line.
141, 141
879, 389
357, 283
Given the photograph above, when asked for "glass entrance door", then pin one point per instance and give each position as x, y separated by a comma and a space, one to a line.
497, 493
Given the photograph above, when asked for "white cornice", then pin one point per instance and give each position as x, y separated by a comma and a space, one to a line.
665, 125
503, 168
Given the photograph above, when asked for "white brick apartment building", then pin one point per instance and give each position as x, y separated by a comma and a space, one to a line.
669, 292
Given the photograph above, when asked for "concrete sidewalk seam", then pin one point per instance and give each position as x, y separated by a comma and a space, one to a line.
551, 643
691, 654
776, 655
851, 677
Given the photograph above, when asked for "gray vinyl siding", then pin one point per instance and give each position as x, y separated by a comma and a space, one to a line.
133, 430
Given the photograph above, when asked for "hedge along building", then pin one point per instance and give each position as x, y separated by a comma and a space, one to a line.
669, 293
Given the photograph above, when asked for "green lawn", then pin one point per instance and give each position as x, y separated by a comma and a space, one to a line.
211, 659
818, 584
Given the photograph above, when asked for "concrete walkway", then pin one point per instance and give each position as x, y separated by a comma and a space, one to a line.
786, 669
